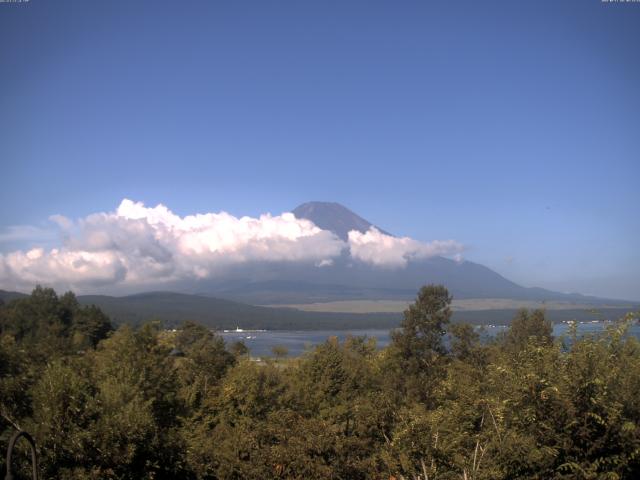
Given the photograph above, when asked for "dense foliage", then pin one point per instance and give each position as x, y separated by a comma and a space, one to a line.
149, 403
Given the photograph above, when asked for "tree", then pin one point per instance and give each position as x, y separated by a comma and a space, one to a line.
15, 378
64, 417
40, 316
90, 325
280, 351
417, 352
465, 342
135, 434
152, 403
239, 349
205, 362
529, 327
49, 325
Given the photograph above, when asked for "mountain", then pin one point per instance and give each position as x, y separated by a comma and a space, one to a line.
345, 279
233, 300
333, 217
294, 284
6, 296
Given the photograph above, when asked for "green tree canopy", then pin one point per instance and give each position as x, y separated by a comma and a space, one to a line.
417, 348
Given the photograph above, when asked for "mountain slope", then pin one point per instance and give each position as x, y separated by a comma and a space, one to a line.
334, 217
347, 279
286, 284
6, 296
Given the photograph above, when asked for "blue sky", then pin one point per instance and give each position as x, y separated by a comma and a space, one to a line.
511, 127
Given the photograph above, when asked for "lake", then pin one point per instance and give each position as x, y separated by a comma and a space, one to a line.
260, 342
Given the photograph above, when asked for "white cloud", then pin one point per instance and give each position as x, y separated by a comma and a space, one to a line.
327, 262
387, 251
140, 245
62, 221
144, 246
57, 267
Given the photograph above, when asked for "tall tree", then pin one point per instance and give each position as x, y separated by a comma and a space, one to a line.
528, 327
417, 350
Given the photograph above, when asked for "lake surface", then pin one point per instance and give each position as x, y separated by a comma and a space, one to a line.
261, 342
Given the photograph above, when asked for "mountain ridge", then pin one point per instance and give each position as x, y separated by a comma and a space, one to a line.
334, 217
346, 278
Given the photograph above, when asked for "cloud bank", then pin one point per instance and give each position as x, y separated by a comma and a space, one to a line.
144, 246
387, 251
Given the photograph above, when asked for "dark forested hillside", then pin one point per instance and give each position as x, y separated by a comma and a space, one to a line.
174, 308
144, 402
171, 309
6, 296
